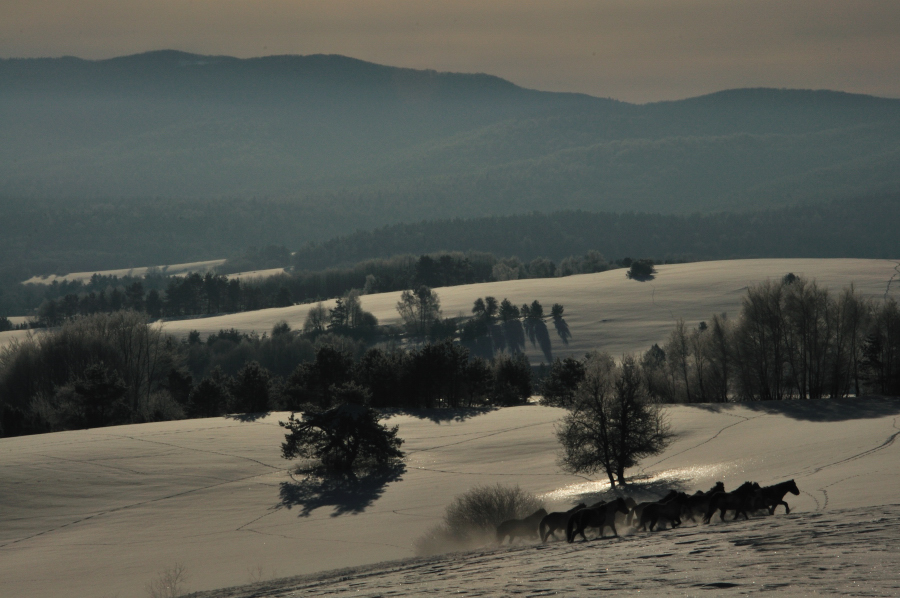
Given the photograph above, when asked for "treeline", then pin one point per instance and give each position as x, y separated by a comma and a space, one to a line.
55, 236
194, 294
865, 227
189, 295
792, 340
108, 369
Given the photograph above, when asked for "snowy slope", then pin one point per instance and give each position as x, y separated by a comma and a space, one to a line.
100, 512
606, 310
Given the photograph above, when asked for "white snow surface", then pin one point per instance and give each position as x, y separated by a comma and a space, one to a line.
171, 270
101, 512
604, 310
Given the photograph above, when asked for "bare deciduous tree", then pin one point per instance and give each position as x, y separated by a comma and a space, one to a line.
613, 423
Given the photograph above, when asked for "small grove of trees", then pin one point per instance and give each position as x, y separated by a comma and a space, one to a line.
420, 309
793, 339
97, 370
435, 375
559, 385
71, 377
347, 318
613, 422
502, 326
189, 295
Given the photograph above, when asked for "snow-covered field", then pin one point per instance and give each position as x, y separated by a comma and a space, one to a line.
171, 270
605, 310
100, 512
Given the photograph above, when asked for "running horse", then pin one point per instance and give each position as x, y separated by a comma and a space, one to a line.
740, 501
518, 528
602, 515
555, 521
772, 496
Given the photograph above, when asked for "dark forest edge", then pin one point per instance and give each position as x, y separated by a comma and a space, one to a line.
792, 341
865, 226
165, 296
107, 369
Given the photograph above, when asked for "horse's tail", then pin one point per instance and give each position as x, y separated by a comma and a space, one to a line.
544, 526
501, 534
570, 527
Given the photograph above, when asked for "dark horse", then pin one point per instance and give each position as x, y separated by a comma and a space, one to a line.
527, 528
772, 496
740, 501
555, 521
600, 516
670, 509
698, 503
634, 517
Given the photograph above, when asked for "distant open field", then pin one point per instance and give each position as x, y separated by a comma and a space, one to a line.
171, 270
606, 310
602, 311
98, 513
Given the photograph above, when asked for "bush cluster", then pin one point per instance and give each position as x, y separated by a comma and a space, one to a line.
472, 518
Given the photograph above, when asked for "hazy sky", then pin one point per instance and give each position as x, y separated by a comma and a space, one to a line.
635, 50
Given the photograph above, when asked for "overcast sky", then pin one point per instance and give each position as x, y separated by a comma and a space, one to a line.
634, 50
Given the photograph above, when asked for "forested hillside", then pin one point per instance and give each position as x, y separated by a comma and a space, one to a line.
358, 143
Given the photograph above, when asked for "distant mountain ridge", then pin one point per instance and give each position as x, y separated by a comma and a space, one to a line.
333, 129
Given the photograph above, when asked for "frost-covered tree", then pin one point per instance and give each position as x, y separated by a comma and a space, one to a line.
613, 424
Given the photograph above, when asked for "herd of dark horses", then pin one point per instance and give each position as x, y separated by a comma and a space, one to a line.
750, 497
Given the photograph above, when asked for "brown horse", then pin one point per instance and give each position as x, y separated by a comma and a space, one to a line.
634, 517
600, 516
520, 528
740, 501
698, 503
554, 521
669, 509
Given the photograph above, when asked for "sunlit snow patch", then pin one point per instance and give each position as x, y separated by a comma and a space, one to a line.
682, 474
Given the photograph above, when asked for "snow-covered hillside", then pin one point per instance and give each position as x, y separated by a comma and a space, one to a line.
100, 512
606, 310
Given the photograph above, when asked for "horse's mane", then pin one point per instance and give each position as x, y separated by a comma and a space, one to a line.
542, 512
719, 487
747, 487
781, 484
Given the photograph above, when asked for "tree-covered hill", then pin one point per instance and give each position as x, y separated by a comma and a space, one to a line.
385, 144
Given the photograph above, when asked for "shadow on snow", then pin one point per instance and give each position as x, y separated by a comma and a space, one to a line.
347, 493
817, 410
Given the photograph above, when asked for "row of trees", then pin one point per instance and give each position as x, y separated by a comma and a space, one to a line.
117, 368
793, 339
183, 296
159, 295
